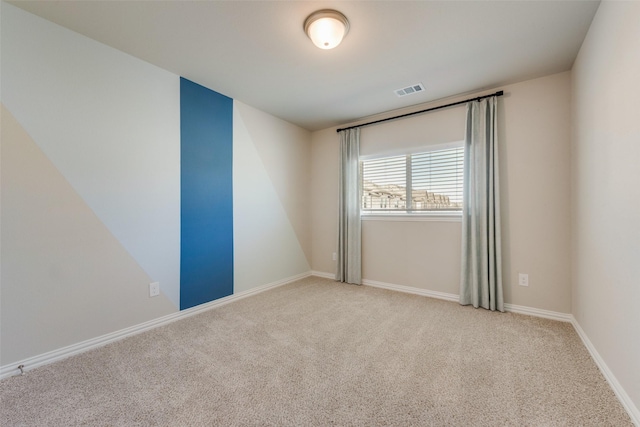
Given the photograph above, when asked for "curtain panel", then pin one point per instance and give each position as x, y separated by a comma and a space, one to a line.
481, 278
349, 268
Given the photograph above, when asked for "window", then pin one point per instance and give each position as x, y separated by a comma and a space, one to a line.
424, 182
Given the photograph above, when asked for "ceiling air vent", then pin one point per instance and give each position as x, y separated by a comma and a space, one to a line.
409, 90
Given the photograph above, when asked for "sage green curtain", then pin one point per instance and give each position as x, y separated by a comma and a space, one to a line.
481, 279
349, 267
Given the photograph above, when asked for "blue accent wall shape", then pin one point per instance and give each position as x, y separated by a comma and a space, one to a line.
206, 201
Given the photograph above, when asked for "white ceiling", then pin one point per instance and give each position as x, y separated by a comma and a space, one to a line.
257, 52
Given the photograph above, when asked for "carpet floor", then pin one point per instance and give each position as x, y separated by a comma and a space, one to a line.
320, 353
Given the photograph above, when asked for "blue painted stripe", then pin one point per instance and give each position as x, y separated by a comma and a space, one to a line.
206, 150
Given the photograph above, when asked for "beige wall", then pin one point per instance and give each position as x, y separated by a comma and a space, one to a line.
65, 277
535, 136
90, 188
534, 133
271, 236
97, 127
324, 199
90, 197
606, 191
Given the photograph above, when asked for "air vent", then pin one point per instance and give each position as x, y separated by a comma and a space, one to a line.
409, 90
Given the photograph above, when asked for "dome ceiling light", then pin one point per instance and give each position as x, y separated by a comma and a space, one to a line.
326, 28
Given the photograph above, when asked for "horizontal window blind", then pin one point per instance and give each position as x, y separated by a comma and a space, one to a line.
436, 179
384, 183
421, 182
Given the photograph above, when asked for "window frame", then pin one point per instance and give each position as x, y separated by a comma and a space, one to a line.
407, 215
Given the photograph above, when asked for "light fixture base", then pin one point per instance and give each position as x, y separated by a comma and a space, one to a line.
326, 28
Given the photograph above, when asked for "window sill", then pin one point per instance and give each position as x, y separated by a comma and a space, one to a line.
405, 217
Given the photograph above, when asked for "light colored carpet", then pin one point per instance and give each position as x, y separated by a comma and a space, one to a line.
320, 353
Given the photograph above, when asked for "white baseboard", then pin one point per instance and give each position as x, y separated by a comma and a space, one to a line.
538, 312
411, 290
393, 287
323, 274
623, 397
63, 353
520, 309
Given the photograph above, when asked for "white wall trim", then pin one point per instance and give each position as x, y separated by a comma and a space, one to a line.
411, 290
71, 350
538, 312
323, 274
520, 309
623, 397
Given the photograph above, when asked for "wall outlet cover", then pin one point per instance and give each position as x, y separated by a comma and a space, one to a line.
154, 289
523, 279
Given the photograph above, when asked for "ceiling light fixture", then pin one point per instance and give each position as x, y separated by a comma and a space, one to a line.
326, 28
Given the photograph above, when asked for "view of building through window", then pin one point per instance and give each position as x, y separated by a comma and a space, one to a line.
420, 182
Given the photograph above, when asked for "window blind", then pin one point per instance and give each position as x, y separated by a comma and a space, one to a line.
420, 182
437, 179
384, 183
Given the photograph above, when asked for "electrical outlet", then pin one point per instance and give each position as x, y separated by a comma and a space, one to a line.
523, 279
335, 256
154, 289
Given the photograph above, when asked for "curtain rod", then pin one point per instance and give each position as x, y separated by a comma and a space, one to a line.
499, 93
